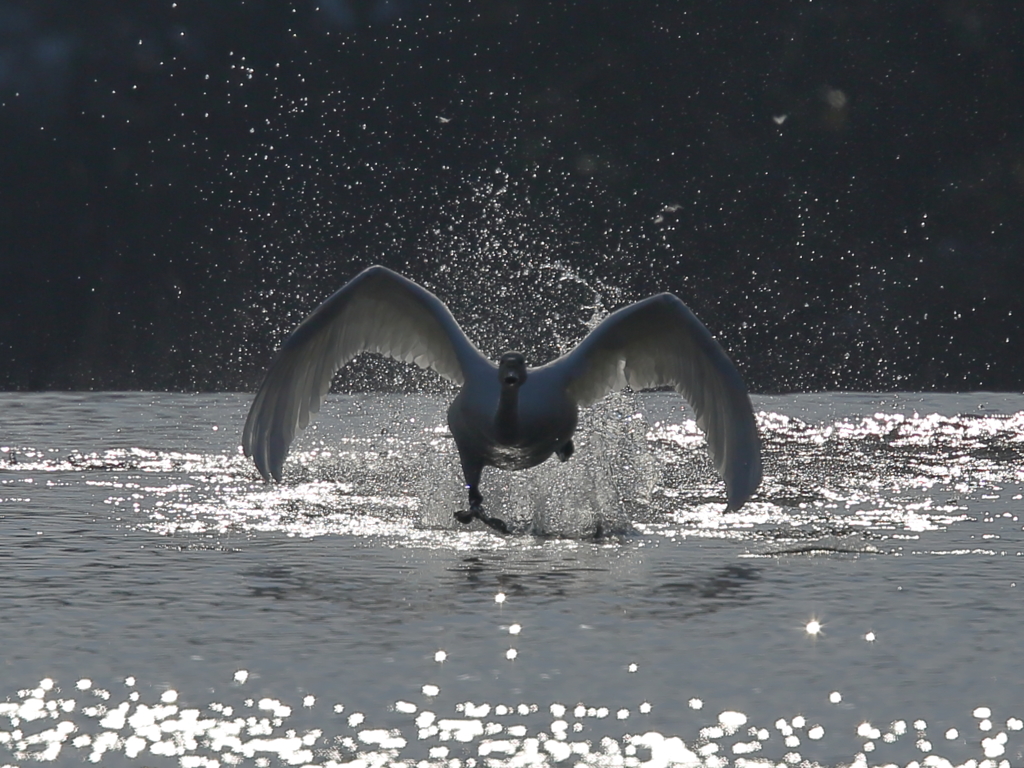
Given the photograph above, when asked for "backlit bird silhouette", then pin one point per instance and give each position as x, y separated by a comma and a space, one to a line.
508, 415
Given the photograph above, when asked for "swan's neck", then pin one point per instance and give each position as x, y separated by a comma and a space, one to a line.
506, 420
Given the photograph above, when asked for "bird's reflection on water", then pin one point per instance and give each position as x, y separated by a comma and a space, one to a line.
660, 593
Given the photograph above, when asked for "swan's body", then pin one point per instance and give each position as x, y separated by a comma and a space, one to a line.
507, 416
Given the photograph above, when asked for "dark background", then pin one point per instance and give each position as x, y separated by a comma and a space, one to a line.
835, 187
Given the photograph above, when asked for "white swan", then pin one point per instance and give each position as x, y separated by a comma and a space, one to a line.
507, 416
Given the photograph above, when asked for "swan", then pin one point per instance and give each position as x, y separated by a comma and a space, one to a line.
509, 415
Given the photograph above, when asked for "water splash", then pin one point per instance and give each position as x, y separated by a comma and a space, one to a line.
610, 475
386, 466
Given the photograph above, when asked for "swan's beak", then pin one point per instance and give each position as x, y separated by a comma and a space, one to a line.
512, 370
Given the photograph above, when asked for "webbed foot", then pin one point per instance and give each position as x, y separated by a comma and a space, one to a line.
494, 522
477, 513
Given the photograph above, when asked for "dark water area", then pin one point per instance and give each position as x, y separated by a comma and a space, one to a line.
163, 607
841, 182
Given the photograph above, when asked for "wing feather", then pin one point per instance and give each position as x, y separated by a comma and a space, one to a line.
659, 342
377, 311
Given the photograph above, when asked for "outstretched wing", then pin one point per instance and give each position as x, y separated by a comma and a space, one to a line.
377, 311
659, 342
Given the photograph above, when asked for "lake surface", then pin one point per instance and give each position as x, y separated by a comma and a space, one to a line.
161, 606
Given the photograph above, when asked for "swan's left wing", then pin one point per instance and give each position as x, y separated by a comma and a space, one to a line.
376, 311
659, 342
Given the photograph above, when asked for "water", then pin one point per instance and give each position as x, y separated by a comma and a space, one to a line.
160, 606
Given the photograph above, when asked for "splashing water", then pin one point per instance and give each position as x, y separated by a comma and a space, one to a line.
611, 474
386, 464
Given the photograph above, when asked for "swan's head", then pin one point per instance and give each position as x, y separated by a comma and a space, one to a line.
512, 370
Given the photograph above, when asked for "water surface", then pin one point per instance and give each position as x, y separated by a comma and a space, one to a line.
162, 606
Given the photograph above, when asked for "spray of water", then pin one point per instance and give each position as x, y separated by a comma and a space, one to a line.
594, 494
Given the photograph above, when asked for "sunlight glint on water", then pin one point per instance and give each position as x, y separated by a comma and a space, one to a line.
902, 475
865, 499
50, 723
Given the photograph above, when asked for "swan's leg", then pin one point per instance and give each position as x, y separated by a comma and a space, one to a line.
565, 451
476, 508
471, 471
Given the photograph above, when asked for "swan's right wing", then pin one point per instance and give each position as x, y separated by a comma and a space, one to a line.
659, 342
377, 311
